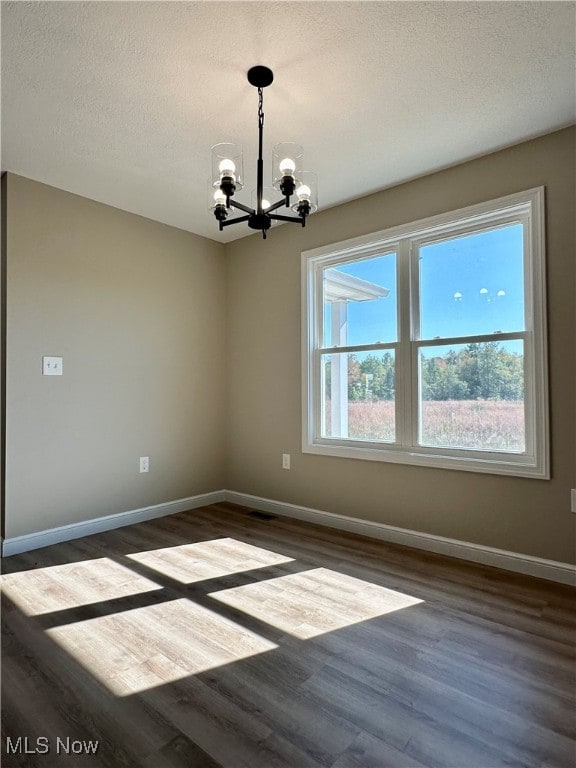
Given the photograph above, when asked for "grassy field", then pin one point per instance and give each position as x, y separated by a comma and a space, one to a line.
481, 424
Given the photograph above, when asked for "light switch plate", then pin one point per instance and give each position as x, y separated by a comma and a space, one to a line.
52, 366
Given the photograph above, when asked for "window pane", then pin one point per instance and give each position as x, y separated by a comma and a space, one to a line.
360, 302
358, 396
472, 396
473, 285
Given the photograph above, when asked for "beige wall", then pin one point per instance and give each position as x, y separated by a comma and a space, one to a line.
3, 200
523, 515
137, 311
188, 351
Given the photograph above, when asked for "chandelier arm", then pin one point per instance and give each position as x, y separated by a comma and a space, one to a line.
279, 217
234, 221
273, 207
241, 207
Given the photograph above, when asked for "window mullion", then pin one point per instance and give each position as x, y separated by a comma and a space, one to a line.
404, 418
414, 262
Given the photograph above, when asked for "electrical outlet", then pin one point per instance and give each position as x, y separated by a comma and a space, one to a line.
285, 461
573, 499
144, 463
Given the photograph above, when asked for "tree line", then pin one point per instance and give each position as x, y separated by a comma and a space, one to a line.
482, 371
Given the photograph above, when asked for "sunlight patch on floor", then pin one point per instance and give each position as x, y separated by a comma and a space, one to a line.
146, 647
190, 563
59, 587
314, 602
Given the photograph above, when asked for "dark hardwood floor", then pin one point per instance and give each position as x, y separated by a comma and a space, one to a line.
215, 638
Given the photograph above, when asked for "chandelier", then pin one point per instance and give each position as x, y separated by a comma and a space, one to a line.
297, 186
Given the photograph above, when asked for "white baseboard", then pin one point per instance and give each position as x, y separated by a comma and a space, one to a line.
18, 544
564, 573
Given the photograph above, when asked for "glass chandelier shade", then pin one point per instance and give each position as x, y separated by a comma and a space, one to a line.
306, 191
287, 166
227, 165
268, 195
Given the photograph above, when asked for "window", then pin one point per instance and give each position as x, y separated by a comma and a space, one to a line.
426, 343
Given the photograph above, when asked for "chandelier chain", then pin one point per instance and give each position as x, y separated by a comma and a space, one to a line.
260, 108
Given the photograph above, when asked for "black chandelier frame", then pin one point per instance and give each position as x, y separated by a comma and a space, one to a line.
260, 218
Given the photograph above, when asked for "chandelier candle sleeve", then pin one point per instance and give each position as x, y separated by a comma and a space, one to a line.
288, 177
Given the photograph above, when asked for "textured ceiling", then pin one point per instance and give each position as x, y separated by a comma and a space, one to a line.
121, 101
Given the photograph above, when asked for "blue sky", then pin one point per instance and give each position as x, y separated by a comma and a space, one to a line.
469, 286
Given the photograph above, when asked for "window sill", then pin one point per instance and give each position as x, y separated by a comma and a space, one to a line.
516, 465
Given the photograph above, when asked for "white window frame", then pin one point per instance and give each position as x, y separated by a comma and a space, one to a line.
527, 207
